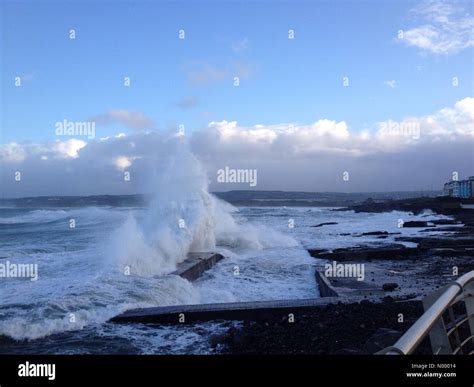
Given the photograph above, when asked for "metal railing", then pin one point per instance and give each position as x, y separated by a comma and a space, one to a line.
444, 337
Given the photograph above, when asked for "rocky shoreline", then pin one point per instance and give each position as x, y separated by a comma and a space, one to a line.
355, 328
397, 279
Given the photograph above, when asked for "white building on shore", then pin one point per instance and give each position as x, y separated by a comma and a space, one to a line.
460, 188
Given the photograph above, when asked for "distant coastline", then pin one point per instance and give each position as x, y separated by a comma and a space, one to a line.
236, 197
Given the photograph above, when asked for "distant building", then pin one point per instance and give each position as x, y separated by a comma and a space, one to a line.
460, 188
451, 189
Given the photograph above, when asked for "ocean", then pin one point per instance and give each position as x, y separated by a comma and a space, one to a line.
119, 258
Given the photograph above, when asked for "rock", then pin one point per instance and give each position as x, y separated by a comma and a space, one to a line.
375, 233
416, 223
389, 286
445, 221
325, 224
335, 328
217, 339
394, 251
316, 252
440, 205
380, 233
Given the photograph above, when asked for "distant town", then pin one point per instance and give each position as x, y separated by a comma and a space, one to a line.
460, 188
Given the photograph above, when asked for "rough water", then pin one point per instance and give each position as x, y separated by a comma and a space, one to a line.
96, 262
80, 273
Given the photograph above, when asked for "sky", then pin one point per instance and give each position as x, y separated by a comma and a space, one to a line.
382, 90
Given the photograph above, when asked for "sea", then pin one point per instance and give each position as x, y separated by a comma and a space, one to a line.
95, 262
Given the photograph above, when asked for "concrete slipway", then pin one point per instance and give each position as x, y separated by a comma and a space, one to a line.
197, 264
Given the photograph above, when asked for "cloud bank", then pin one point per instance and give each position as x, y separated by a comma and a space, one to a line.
413, 154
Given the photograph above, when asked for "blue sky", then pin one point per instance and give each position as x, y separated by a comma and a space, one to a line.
282, 80
404, 122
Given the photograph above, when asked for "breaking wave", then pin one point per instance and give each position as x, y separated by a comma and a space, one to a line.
79, 288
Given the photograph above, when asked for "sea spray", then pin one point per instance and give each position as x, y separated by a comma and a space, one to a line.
179, 219
84, 284
183, 217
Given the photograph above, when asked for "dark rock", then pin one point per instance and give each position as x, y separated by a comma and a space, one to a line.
445, 221
389, 286
325, 224
376, 233
339, 328
381, 233
457, 229
416, 223
217, 339
387, 252
440, 205
315, 252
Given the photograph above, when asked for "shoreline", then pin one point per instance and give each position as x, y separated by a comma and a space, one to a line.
397, 279
353, 317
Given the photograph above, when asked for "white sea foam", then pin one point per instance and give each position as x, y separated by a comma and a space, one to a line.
88, 215
91, 284
35, 216
183, 218
82, 271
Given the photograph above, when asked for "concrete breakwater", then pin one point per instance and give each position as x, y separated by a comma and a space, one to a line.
254, 310
392, 271
193, 268
196, 264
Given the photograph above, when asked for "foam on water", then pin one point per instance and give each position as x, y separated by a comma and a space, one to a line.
183, 218
98, 270
116, 260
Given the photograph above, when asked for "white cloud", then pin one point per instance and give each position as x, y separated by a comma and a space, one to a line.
447, 28
68, 149
12, 153
291, 156
394, 155
123, 162
328, 137
17, 153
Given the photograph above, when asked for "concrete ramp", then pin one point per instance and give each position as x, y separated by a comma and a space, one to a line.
254, 310
196, 264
